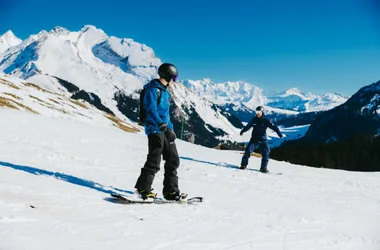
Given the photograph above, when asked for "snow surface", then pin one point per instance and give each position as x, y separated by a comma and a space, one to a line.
56, 175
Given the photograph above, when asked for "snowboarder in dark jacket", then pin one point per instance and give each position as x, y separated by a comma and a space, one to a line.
161, 137
259, 123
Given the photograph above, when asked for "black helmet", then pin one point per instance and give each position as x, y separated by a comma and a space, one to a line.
168, 71
260, 108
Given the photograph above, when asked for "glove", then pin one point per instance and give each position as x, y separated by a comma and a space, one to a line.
241, 132
163, 127
281, 135
170, 135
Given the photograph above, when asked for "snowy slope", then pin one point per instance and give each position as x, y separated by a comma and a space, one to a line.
8, 40
18, 94
56, 175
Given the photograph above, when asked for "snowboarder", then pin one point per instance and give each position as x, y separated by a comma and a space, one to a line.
259, 123
161, 138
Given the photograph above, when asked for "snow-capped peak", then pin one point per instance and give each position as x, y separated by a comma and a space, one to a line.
8, 40
88, 27
334, 97
297, 92
298, 100
59, 30
60, 52
227, 92
293, 91
10, 37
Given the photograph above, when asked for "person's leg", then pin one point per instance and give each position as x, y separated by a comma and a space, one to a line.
247, 154
172, 161
265, 156
152, 164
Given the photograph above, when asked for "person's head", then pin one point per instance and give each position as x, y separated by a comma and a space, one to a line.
259, 111
168, 73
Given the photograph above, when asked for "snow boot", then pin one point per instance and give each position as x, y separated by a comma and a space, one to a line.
145, 195
175, 196
264, 170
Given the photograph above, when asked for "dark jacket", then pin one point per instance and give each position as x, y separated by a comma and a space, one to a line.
156, 114
260, 126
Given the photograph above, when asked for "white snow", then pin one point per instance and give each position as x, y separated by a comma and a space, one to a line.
58, 167
297, 92
8, 40
373, 107
55, 176
270, 110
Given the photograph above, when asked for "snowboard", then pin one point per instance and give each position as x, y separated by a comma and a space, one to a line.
257, 170
130, 200
272, 173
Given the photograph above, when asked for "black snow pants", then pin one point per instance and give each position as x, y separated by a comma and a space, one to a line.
160, 145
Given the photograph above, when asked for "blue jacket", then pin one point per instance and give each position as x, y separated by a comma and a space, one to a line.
156, 114
260, 126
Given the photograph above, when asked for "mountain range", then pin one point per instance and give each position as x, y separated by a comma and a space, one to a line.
109, 72
252, 96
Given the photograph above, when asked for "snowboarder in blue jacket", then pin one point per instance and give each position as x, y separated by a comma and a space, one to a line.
259, 123
161, 138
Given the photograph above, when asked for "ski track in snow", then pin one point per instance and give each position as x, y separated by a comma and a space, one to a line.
56, 176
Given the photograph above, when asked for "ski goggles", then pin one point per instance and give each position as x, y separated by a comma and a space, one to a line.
175, 78
258, 112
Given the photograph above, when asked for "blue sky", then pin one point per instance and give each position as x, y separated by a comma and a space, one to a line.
317, 45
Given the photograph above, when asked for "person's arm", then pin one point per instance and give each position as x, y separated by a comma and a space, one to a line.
248, 126
150, 105
170, 124
274, 128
